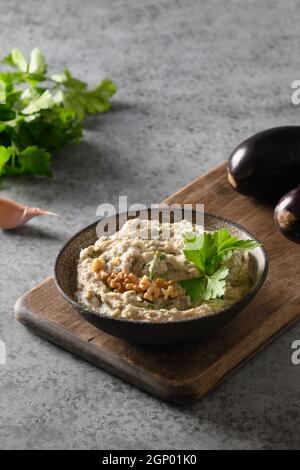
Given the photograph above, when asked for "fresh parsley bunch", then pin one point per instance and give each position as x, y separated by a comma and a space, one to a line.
41, 113
210, 253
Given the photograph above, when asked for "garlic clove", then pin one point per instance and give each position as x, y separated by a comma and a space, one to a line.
13, 214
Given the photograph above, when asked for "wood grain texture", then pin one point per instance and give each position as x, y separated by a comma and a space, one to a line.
184, 373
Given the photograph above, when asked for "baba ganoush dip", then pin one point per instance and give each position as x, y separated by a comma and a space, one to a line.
133, 278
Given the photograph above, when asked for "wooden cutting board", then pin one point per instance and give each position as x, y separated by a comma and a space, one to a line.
184, 373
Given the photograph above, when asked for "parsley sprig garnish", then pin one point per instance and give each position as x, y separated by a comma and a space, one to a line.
210, 253
39, 113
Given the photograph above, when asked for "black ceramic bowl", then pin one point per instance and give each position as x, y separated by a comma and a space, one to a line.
178, 331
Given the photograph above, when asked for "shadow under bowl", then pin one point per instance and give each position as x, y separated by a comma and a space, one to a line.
178, 331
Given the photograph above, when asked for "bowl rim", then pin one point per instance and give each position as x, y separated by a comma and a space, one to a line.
243, 301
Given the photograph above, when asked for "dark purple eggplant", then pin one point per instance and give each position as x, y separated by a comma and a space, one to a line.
287, 215
267, 165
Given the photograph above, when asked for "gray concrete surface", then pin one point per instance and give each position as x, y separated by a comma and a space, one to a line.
194, 78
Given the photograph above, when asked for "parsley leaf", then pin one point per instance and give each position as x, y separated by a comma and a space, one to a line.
35, 161
40, 113
210, 252
216, 284
31, 161
2, 92
5, 154
44, 101
206, 287
37, 64
89, 101
16, 59
6, 114
194, 288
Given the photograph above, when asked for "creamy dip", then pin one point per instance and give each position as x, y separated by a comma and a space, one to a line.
137, 278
